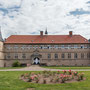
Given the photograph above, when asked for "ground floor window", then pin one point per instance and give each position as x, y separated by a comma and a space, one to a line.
63, 56
75, 55
56, 56
49, 56
82, 55
69, 55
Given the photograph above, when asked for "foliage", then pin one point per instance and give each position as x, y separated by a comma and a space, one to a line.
16, 64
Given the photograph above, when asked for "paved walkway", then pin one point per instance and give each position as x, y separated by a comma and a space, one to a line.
38, 68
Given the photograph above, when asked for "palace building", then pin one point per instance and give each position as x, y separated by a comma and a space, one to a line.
44, 49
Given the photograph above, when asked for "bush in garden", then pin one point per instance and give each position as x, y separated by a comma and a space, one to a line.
70, 72
82, 76
16, 64
36, 79
64, 71
44, 81
75, 73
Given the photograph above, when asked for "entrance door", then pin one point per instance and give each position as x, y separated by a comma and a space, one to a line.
36, 60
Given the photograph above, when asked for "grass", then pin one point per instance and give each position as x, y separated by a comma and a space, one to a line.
66, 68
10, 67
9, 80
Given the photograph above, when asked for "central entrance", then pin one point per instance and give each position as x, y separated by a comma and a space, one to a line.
36, 60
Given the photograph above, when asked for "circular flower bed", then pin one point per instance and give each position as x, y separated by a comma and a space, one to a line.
48, 77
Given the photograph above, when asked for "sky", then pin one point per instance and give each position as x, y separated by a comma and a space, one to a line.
27, 17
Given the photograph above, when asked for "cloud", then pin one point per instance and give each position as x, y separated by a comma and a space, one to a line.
31, 16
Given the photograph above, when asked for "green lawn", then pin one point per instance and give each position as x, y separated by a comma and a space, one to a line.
10, 67
9, 80
66, 68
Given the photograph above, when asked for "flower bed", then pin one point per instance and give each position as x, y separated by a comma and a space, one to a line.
48, 77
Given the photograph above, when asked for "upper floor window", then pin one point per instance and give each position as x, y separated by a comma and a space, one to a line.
42, 46
62, 46
75, 55
69, 46
29, 47
15, 47
23, 47
63, 55
75, 46
56, 56
49, 56
8, 47
82, 46
49, 46
35, 46
56, 46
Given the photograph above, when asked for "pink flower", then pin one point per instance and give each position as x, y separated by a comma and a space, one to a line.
32, 77
69, 70
75, 72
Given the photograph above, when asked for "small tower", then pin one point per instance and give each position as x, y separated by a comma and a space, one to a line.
46, 33
1, 50
1, 39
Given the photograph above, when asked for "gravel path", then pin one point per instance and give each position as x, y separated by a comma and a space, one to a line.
38, 68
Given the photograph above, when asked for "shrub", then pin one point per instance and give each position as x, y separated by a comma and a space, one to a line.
16, 64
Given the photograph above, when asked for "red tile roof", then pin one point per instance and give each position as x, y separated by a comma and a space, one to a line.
45, 39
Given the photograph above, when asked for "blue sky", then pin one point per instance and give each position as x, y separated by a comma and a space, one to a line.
58, 16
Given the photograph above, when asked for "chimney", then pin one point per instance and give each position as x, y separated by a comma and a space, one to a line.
70, 33
41, 33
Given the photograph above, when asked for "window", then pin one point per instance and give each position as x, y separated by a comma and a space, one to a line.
49, 56
35, 46
75, 55
56, 56
49, 46
56, 46
82, 46
42, 46
29, 47
69, 55
82, 55
69, 46
88, 55
8, 56
5, 56
75, 46
23, 47
15, 47
8, 47
23, 56
63, 55
16, 56
62, 46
